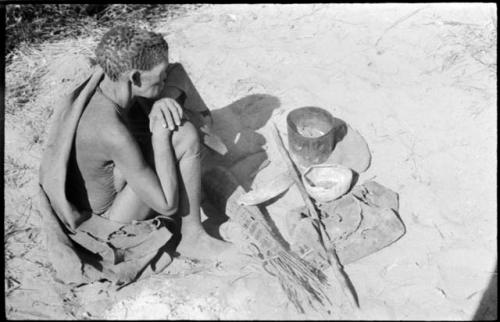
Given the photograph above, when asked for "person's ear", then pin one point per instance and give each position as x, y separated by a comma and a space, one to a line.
135, 78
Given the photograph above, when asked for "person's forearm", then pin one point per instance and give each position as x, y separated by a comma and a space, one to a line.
166, 168
169, 91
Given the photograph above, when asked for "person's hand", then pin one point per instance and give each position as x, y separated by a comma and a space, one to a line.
157, 126
166, 113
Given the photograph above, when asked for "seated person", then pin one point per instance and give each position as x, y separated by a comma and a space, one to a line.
130, 169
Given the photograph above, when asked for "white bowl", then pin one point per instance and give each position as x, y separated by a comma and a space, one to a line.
327, 182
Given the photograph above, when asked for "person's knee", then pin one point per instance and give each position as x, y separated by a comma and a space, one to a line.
186, 140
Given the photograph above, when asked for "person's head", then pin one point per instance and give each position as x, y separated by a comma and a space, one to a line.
134, 55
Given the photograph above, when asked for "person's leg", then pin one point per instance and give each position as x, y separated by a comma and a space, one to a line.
195, 242
127, 207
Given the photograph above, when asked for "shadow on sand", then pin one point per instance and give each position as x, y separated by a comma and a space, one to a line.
237, 125
488, 307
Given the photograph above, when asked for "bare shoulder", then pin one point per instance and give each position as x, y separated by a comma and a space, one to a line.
115, 135
101, 126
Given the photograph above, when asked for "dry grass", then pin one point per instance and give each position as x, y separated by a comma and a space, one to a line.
15, 172
35, 79
30, 24
475, 41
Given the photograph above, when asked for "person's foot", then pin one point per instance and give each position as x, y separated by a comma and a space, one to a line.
200, 245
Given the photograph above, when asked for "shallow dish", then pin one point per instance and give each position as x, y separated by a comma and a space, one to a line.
327, 182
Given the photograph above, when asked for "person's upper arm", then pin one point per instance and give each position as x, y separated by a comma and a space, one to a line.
127, 156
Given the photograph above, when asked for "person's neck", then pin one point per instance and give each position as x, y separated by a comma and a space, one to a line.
118, 92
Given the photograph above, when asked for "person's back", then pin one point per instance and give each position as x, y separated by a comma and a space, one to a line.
94, 172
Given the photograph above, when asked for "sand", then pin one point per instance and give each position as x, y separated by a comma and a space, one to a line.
417, 81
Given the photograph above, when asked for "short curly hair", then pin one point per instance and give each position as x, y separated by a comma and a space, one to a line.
123, 48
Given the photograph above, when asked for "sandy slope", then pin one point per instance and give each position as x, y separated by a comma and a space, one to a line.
417, 81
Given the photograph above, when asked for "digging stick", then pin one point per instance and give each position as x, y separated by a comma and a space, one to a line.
331, 255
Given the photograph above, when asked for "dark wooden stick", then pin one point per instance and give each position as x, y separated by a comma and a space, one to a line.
331, 255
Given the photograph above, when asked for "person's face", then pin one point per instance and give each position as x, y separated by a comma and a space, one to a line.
151, 82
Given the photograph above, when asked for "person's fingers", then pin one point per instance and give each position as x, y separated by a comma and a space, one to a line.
153, 119
160, 119
168, 119
175, 114
179, 110
176, 110
155, 123
170, 113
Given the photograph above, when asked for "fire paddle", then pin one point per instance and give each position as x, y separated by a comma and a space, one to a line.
332, 257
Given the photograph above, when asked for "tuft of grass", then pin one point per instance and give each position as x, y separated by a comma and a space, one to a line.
32, 24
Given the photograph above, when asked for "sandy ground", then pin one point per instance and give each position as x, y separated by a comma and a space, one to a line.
417, 81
